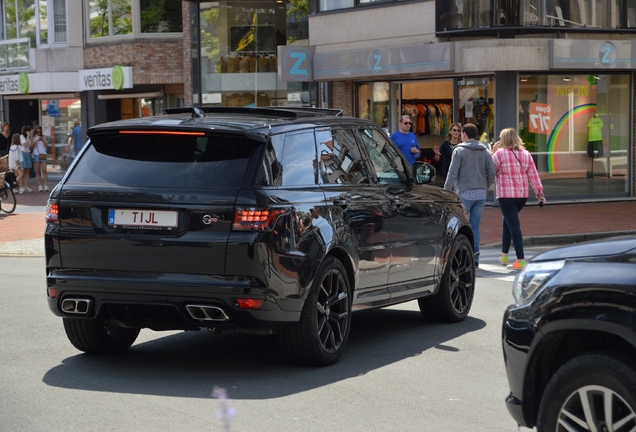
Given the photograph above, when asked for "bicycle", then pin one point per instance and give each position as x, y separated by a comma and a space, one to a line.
7, 197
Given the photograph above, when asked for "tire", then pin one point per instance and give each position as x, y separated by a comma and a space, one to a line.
7, 199
454, 298
588, 392
95, 337
319, 338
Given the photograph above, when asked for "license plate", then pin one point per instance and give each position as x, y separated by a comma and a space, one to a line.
142, 218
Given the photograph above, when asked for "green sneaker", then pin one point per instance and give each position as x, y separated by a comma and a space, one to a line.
518, 265
503, 259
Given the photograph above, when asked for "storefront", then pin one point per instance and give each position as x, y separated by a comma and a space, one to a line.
577, 124
51, 100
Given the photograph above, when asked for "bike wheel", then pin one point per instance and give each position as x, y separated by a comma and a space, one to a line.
7, 199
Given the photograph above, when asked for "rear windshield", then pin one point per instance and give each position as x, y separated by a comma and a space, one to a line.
155, 160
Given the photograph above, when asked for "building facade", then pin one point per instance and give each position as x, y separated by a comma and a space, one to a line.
560, 72
89, 61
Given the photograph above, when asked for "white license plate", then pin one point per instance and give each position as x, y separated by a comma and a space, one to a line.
142, 218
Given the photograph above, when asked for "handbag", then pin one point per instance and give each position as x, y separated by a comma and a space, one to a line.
42, 157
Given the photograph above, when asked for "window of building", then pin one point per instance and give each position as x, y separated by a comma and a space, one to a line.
328, 5
112, 18
32, 20
578, 129
575, 14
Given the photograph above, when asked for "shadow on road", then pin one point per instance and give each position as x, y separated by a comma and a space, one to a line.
189, 364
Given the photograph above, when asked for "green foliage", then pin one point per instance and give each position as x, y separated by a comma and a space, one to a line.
99, 22
299, 9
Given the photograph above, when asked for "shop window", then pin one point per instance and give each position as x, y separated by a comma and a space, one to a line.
238, 53
373, 103
58, 118
578, 129
476, 99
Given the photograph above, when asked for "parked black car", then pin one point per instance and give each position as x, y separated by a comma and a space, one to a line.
569, 340
261, 220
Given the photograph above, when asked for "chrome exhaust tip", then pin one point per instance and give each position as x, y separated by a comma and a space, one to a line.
76, 306
207, 313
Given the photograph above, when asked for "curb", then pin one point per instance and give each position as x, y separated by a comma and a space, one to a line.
563, 239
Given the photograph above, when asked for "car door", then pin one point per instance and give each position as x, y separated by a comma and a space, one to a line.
416, 223
358, 210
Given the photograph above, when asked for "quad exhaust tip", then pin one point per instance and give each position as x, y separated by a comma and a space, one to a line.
77, 306
207, 313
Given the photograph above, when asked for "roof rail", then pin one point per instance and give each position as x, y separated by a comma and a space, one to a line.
312, 111
286, 112
196, 112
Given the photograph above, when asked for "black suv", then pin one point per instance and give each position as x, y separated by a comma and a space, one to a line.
569, 340
254, 219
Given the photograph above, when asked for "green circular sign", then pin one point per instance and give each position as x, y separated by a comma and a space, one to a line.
118, 77
23, 83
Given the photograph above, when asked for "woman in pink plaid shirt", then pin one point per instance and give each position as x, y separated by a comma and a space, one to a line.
514, 168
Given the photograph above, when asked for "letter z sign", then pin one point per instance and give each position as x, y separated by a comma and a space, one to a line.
540, 118
298, 64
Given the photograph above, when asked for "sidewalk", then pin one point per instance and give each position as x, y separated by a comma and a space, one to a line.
22, 232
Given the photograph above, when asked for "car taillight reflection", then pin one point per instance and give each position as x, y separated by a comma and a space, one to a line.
252, 219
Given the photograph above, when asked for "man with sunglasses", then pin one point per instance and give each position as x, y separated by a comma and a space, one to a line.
406, 140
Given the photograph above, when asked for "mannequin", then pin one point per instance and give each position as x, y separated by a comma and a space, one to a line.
595, 139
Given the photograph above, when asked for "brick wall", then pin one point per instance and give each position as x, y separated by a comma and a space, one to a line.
342, 97
154, 61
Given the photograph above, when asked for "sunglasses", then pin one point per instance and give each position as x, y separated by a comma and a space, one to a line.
454, 130
408, 123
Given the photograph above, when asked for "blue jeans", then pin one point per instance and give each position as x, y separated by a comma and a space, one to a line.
510, 208
474, 209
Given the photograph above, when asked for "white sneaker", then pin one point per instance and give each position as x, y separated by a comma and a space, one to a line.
21, 190
28, 189
39, 188
46, 188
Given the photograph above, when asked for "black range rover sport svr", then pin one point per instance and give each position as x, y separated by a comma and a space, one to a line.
249, 219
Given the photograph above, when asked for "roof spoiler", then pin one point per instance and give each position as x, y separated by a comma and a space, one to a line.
284, 112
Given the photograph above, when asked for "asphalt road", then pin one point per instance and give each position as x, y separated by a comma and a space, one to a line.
399, 373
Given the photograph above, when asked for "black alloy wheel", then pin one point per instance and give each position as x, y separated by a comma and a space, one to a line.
97, 337
322, 333
594, 391
454, 299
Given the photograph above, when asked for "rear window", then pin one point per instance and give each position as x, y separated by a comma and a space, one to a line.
167, 161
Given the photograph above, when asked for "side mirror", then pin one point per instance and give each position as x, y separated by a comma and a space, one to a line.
424, 173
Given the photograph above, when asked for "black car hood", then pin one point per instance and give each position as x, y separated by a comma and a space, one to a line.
605, 247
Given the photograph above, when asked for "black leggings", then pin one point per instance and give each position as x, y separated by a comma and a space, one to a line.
510, 208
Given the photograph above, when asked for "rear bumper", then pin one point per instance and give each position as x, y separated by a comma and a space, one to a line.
161, 302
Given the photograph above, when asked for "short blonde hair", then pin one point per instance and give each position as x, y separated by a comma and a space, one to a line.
509, 139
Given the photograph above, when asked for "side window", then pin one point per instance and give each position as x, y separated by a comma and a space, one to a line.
340, 160
271, 172
299, 159
386, 160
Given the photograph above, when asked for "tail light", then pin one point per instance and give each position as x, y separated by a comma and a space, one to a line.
52, 212
250, 303
255, 220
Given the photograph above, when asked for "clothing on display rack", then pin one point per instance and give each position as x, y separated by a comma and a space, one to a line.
429, 117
